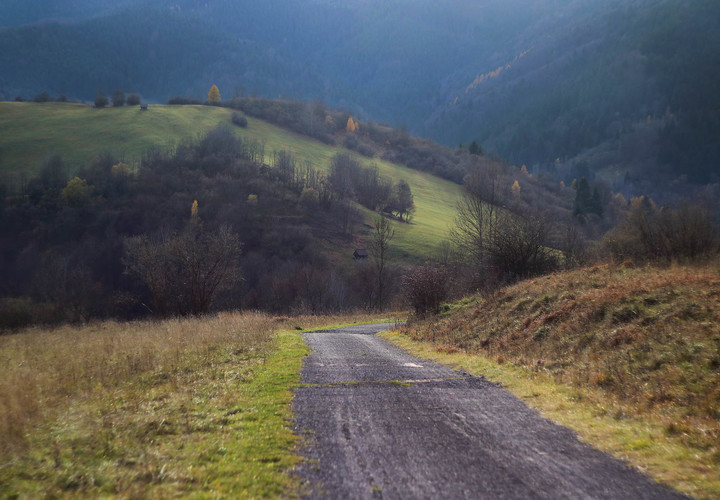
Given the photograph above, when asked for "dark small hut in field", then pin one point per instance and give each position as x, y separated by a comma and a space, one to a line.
360, 254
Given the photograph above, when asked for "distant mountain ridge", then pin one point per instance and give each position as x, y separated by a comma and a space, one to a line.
619, 89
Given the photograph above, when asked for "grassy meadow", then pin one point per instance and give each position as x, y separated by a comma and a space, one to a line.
627, 357
196, 407
30, 132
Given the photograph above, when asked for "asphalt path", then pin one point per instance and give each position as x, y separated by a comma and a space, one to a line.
380, 423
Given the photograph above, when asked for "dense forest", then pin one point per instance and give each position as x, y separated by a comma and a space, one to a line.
618, 90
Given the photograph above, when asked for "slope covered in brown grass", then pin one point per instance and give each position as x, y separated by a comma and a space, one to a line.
647, 339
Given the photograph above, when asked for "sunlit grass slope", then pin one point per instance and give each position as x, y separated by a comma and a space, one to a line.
29, 132
435, 198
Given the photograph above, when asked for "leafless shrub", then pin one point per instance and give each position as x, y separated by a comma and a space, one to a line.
518, 245
685, 233
426, 289
184, 272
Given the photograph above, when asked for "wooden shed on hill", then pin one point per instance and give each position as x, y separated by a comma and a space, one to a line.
360, 254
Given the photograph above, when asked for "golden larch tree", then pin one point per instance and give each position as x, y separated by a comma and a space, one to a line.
214, 95
351, 126
516, 188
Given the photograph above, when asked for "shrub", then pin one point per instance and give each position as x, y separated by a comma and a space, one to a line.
43, 97
425, 289
133, 100
118, 99
16, 313
352, 142
240, 120
101, 101
685, 233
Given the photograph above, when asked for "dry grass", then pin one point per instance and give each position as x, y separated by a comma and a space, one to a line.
43, 370
634, 342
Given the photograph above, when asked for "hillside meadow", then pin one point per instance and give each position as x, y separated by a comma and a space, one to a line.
30, 132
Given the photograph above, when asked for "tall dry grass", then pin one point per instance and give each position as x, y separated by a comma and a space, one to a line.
41, 370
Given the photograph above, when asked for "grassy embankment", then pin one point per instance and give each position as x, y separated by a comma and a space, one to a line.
180, 407
629, 358
29, 132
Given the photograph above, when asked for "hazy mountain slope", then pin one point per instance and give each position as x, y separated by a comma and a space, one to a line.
624, 88
158, 53
611, 71
20, 12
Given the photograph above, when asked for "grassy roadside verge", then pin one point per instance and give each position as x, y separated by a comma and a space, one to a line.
642, 442
209, 422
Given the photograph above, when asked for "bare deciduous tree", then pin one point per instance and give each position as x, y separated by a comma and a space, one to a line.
518, 245
382, 233
185, 271
476, 214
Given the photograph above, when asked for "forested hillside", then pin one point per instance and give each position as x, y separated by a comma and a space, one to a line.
568, 87
626, 92
86, 227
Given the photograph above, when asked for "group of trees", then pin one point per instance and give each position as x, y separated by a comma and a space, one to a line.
502, 241
351, 181
118, 99
686, 233
498, 237
44, 96
315, 120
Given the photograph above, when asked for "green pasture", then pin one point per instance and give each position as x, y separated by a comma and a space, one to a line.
30, 132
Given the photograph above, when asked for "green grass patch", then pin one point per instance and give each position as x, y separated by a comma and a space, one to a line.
30, 132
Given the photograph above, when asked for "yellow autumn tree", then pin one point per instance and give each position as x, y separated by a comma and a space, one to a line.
194, 209
516, 188
121, 169
351, 126
76, 193
214, 95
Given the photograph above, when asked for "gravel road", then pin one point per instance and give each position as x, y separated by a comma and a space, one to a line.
380, 423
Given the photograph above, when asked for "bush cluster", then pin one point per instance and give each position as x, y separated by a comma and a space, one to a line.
426, 289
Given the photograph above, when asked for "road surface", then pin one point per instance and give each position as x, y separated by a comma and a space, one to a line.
380, 423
